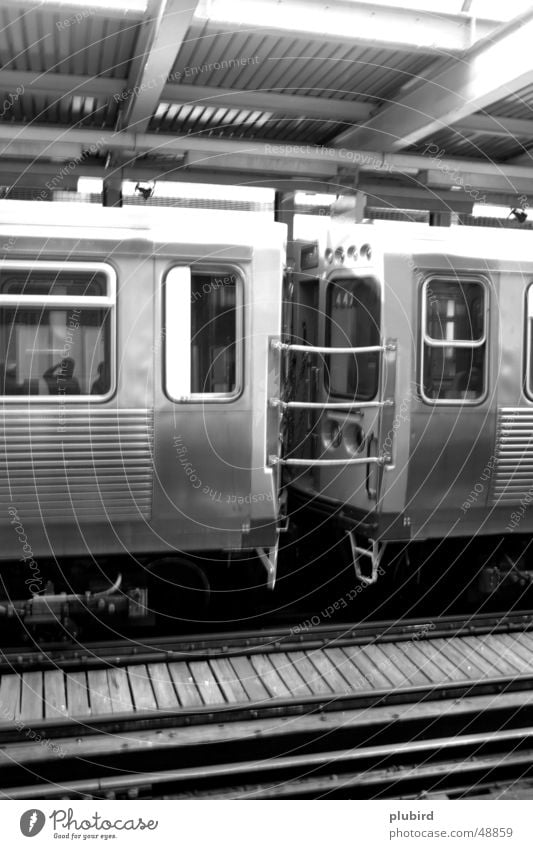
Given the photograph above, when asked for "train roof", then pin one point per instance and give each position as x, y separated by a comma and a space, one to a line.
488, 243
492, 245
157, 225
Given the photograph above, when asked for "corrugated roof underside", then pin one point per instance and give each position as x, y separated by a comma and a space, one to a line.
242, 124
473, 146
293, 65
517, 105
63, 110
37, 40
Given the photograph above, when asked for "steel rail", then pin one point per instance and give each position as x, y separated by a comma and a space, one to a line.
389, 781
308, 761
203, 646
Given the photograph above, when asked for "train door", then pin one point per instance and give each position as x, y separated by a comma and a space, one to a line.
451, 426
359, 384
216, 490
203, 428
342, 395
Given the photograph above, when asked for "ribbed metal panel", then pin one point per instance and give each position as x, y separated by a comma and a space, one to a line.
519, 104
85, 463
289, 65
54, 109
512, 479
471, 146
242, 123
39, 40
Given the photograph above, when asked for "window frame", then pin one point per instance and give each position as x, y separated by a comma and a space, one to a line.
209, 397
528, 371
467, 279
346, 276
108, 301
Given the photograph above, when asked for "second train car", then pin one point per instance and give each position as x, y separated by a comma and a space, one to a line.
408, 393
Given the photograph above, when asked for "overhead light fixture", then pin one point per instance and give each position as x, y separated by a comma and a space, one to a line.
100, 5
519, 214
145, 190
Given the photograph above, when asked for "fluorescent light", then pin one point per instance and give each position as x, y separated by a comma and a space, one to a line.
121, 5
485, 210
313, 199
90, 185
207, 191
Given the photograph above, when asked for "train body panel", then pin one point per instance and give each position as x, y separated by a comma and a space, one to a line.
163, 442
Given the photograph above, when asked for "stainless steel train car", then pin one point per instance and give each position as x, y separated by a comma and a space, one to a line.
135, 371
408, 389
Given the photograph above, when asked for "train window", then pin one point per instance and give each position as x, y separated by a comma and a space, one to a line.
202, 334
454, 337
56, 327
353, 320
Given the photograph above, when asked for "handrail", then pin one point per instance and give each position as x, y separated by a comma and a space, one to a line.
314, 349
355, 461
327, 405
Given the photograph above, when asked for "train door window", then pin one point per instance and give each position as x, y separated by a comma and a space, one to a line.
353, 321
203, 335
56, 329
453, 340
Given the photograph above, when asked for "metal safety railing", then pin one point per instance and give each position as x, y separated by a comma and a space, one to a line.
382, 460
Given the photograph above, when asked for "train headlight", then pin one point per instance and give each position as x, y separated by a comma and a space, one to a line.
353, 438
332, 435
351, 253
328, 255
339, 255
366, 251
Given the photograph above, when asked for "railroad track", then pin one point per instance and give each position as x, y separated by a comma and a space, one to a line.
291, 711
119, 652
414, 751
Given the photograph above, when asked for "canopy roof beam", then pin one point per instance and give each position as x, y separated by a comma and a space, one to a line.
163, 32
490, 71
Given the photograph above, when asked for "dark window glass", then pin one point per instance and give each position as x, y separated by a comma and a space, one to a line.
455, 312
213, 333
52, 283
54, 350
353, 321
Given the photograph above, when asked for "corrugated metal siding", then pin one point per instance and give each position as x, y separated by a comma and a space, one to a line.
99, 467
512, 479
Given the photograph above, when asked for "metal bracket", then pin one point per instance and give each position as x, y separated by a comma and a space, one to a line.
269, 559
375, 554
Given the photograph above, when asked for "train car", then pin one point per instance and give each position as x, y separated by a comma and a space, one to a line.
408, 393
135, 373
